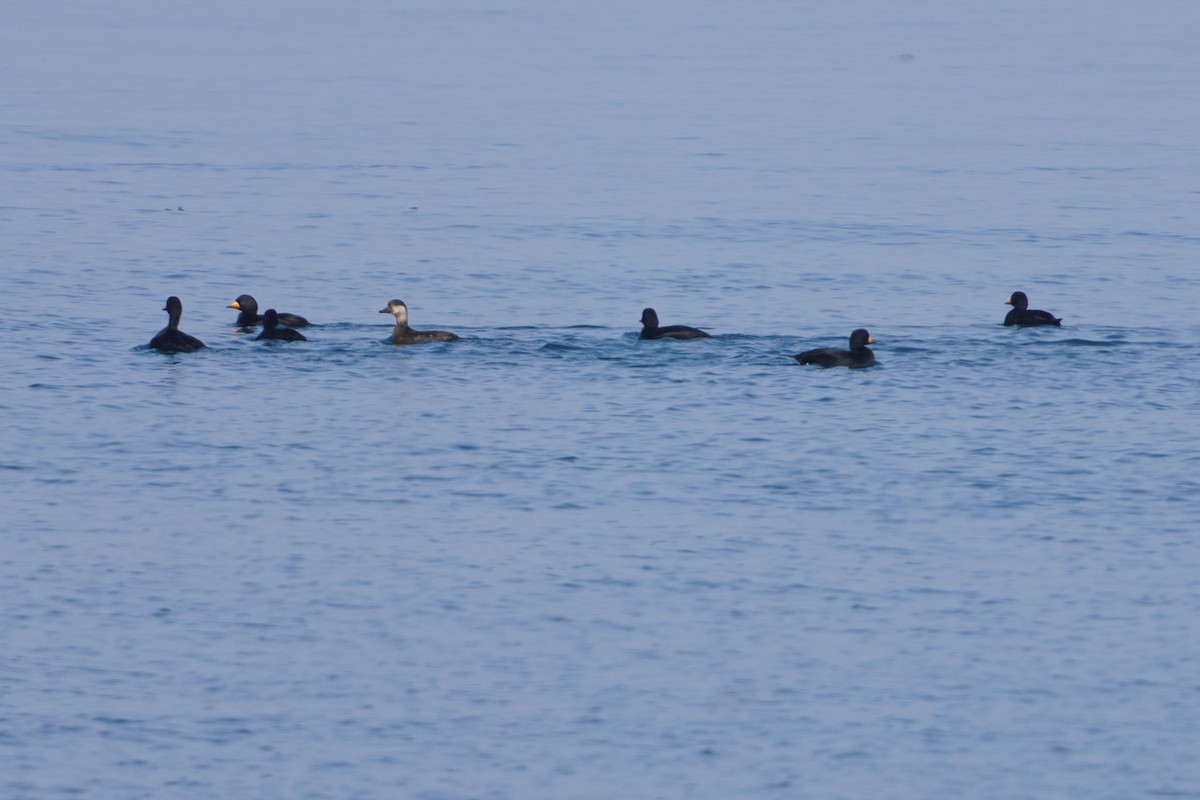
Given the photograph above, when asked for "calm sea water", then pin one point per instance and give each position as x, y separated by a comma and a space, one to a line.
551, 560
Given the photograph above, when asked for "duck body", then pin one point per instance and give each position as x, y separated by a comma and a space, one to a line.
402, 334
1024, 316
172, 340
272, 330
249, 316
859, 355
652, 330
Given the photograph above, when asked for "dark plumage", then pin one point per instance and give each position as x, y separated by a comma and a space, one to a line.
402, 334
1023, 315
170, 339
651, 329
271, 329
859, 355
250, 316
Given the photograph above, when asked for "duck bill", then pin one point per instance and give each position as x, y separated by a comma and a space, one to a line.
236, 304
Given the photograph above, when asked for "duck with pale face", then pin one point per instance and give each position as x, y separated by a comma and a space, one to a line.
403, 334
170, 339
859, 355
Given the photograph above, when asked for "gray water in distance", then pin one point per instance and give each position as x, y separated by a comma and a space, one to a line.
551, 560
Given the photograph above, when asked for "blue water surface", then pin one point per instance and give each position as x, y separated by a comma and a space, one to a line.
551, 560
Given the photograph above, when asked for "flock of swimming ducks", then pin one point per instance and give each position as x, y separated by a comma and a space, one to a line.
282, 327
